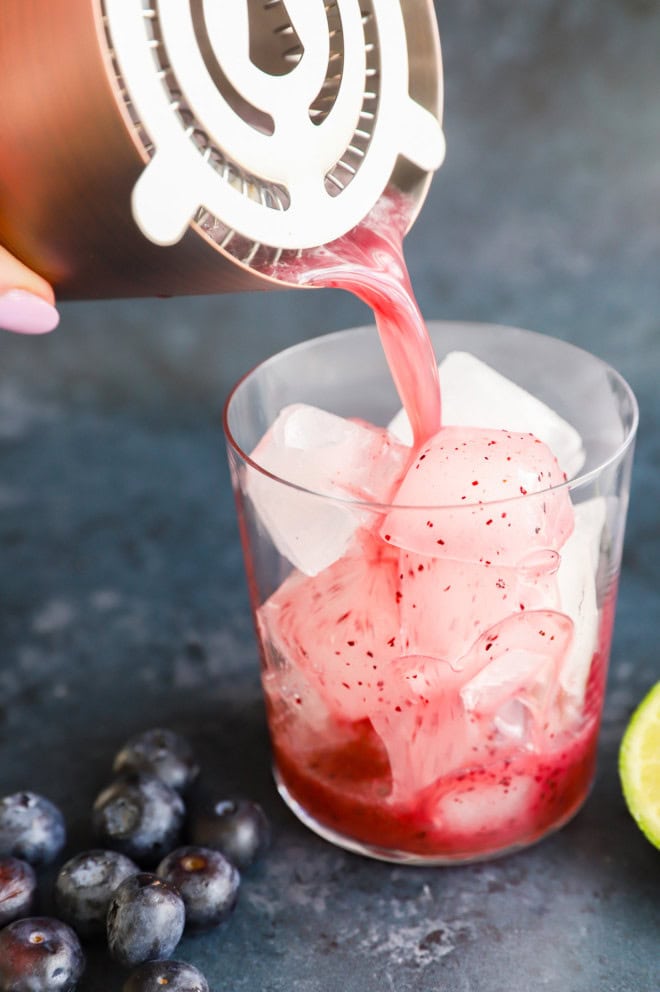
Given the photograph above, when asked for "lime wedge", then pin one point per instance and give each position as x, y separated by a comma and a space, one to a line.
639, 765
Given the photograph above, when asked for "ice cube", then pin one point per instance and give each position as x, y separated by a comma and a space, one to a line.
421, 721
485, 804
340, 628
513, 722
519, 656
293, 701
310, 531
446, 605
475, 395
325, 455
467, 483
519, 660
576, 579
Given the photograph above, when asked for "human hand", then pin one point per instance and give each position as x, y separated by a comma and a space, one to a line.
27, 302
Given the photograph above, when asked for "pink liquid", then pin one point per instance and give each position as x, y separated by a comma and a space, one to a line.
507, 799
392, 742
369, 263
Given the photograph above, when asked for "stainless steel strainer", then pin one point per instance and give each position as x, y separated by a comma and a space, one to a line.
183, 146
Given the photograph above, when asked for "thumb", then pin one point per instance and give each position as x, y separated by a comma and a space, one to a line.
27, 302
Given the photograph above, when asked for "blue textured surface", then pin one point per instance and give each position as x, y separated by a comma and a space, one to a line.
122, 597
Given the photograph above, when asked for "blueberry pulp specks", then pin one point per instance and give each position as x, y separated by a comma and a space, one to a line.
18, 886
139, 816
207, 882
145, 920
175, 976
31, 828
237, 827
84, 886
162, 753
40, 954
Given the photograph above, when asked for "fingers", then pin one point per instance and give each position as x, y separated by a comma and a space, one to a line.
27, 302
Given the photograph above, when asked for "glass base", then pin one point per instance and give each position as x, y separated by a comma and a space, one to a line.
406, 857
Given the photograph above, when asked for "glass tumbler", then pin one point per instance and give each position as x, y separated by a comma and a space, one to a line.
434, 625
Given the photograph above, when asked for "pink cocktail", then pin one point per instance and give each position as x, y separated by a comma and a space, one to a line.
434, 603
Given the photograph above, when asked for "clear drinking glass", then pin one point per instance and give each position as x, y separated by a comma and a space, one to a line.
434, 674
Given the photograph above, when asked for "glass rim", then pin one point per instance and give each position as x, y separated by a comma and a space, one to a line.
578, 481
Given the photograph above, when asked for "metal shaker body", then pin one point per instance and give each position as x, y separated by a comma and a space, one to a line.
172, 147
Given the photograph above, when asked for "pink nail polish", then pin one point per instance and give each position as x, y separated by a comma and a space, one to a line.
26, 313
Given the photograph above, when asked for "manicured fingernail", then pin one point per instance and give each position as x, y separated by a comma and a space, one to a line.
26, 313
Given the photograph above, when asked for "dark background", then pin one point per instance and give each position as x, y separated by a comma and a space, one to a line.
122, 597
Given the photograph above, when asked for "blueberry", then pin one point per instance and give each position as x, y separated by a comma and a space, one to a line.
18, 885
139, 816
177, 976
39, 954
161, 753
85, 885
145, 919
237, 827
207, 882
31, 828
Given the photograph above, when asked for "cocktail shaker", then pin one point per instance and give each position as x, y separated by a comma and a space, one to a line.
172, 147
